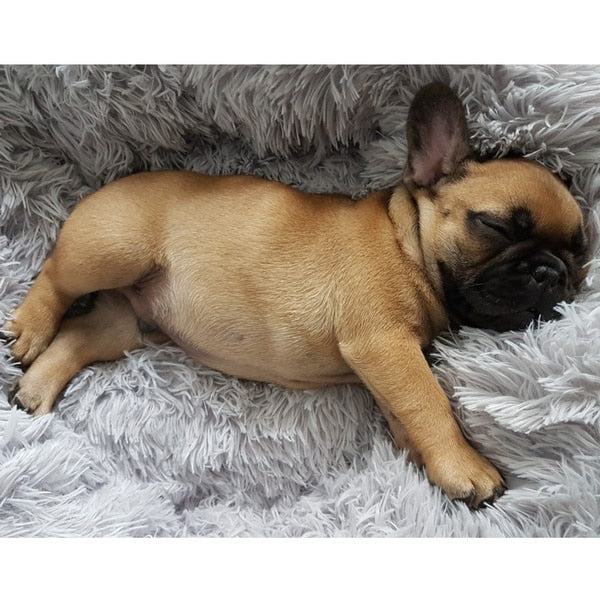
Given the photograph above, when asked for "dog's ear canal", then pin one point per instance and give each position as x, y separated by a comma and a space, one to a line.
437, 136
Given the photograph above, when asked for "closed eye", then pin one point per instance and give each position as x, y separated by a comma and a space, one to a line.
487, 224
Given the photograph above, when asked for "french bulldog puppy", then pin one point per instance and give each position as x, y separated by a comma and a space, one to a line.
265, 282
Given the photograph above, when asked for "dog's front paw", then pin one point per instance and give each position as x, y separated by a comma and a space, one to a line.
465, 475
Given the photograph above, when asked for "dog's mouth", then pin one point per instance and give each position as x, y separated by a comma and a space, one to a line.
510, 294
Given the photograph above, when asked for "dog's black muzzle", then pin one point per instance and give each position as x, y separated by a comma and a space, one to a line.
512, 293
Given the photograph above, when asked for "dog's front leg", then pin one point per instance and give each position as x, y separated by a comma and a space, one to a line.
393, 367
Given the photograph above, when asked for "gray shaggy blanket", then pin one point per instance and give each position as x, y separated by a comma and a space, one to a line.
155, 445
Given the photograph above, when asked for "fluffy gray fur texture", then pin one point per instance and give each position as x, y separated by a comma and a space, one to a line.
155, 445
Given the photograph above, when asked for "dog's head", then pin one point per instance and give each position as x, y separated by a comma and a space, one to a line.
506, 235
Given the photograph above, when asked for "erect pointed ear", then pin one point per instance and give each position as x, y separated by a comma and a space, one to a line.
437, 135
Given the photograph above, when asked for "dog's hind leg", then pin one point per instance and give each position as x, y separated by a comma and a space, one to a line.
105, 333
107, 243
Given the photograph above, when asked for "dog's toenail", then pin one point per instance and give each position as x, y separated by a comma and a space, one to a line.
13, 397
470, 500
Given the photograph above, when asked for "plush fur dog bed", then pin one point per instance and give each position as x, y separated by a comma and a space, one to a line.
154, 445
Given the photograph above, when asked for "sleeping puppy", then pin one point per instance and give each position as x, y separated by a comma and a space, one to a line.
265, 282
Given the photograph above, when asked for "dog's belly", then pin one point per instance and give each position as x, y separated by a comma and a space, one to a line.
250, 361
220, 328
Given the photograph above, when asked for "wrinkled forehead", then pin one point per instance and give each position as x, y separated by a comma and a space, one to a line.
504, 187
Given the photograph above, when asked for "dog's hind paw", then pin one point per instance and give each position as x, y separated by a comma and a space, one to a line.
32, 403
27, 342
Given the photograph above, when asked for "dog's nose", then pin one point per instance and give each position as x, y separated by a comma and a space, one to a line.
546, 275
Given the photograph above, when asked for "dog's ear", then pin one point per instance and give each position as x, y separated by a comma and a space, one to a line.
437, 136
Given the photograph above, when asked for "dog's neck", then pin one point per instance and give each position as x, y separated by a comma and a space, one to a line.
412, 218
